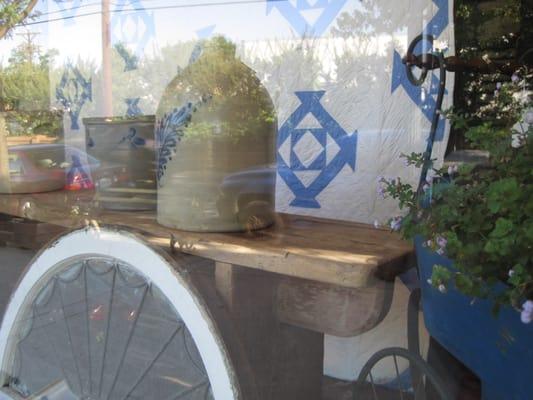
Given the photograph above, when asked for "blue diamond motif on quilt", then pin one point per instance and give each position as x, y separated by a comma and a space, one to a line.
325, 149
134, 28
426, 102
308, 17
308, 149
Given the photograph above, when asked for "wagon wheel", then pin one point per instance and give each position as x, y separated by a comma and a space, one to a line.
413, 378
100, 315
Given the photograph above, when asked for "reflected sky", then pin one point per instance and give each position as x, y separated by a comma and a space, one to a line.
173, 21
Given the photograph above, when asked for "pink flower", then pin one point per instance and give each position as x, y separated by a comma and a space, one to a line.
498, 85
515, 78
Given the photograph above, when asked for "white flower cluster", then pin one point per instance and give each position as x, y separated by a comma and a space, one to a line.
527, 312
521, 128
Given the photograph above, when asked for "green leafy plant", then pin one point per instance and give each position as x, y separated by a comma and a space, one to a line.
481, 217
13, 13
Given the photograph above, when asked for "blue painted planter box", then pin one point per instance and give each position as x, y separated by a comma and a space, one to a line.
499, 350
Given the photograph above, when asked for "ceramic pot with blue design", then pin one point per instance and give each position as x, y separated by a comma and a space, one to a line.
124, 148
215, 137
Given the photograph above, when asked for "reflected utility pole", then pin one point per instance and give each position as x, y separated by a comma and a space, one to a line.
107, 103
30, 48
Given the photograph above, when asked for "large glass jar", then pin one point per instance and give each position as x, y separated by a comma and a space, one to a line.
215, 134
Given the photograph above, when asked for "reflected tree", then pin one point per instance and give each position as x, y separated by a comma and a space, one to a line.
237, 106
12, 13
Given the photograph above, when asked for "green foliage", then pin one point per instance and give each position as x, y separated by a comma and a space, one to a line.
238, 104
481, 216
25, 93
14, 12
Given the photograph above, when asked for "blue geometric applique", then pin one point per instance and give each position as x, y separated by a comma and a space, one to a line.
131, 61
68, 9
426, 102
310, 5
296, 14
439, 22
308, 160
322, 150
133, 107
134, 28
72, 92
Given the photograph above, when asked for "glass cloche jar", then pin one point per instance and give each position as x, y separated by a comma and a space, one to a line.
215, 145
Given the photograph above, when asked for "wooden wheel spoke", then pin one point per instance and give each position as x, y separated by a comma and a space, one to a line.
102, 364
398, 378
153, 361
69, 337
373, 386
128, 341
87, 326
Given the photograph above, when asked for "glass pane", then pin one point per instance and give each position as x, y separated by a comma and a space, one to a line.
337, 180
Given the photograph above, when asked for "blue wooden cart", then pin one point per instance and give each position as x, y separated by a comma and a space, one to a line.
498, 349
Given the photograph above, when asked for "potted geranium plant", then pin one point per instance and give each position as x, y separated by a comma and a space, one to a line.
472, 226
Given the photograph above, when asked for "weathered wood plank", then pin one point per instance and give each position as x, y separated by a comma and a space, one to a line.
335, 252
332, 309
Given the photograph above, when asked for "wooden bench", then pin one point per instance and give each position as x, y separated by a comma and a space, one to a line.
283, 287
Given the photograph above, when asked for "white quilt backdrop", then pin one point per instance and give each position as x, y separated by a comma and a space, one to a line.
349, 90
